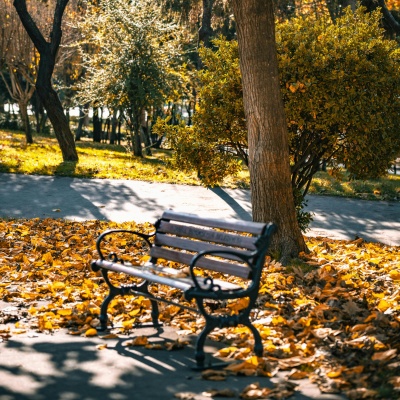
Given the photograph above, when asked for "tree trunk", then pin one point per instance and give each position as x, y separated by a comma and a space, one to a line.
271, 189
96, 125
48, 96
114, 123
23, 109
205, 30
54, 108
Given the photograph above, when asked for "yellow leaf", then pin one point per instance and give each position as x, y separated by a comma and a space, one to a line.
47, 258
110, 336
383, 305
91, 332
296, 374
214, 375
395, 274
225, 352
19, 331
65, 312
334, 373
138, 341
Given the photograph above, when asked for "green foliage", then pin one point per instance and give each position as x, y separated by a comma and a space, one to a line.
132, 58
194, 152
341, 89
216, 141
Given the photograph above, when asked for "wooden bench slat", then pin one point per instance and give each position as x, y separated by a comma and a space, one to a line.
208, 235
211, 264
154, 275
255, 228
195, 246
176, 274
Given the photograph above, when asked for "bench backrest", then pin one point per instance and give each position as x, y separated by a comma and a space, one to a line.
178, 236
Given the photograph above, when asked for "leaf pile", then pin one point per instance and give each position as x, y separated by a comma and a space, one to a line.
333, 316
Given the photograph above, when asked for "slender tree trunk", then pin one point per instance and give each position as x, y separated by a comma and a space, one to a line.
54, 108
44, 87
78, 133
114, 123
97, 125
23, 109
205, 31
271, 189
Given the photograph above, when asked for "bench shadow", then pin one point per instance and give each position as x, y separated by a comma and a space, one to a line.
75, 368
61, 367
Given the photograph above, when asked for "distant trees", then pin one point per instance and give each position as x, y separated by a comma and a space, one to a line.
134, 61
18, 62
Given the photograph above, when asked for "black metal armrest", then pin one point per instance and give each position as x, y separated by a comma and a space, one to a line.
208, 288
114, 257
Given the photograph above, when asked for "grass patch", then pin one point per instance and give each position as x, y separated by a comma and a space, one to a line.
100, 160
386, 188
96, 160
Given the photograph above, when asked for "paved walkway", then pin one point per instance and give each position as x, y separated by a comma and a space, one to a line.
62, 367
26, 196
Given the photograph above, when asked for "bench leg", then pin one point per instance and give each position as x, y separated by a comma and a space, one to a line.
258, 347
199, 354
223, 321
122, 291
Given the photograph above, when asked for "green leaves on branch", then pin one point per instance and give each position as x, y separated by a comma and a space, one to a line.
132, 58
216, 145
341, 89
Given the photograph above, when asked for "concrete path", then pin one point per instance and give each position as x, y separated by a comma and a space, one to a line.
26, 196
62, 367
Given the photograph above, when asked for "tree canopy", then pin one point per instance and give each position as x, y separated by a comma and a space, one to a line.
130, 55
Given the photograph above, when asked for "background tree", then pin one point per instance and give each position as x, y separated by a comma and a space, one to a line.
341, 89
48, 53
218, 134
271, 190
138, 68
389, 21
19, 58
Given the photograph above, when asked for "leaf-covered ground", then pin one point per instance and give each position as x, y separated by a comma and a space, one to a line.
332, 317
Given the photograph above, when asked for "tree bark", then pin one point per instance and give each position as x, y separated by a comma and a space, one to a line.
97, 125
23, 109
44, 87
271, 189
205, 30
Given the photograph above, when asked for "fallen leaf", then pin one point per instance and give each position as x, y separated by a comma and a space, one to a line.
214, 375
91, 332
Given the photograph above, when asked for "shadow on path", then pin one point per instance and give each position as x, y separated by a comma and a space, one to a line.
62, 367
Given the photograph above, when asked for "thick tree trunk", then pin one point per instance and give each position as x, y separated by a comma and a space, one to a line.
54, 108
271, 189
48, 96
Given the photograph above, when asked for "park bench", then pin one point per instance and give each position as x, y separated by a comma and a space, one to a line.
198, 256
